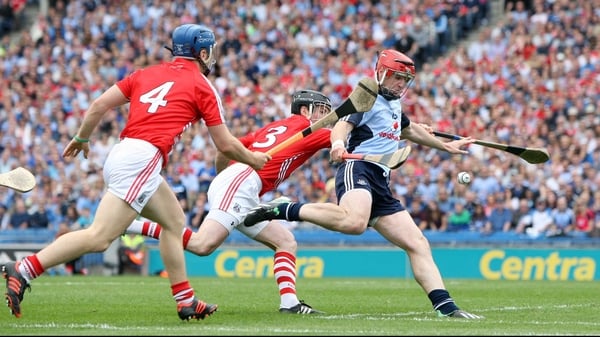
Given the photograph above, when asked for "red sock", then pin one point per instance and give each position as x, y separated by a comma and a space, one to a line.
32, 266
182, 292
187, 234
151, 229
285, 272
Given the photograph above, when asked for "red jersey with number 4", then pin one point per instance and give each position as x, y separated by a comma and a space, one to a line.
284, 162
165, 100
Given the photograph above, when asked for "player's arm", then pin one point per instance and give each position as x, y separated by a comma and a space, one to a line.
416, 133
221, 161
231, 147
109, 99
339, 134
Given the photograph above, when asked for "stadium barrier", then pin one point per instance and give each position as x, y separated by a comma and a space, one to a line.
329, 254
492, 263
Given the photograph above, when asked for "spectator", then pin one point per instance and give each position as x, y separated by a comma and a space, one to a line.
7, 18
484, 184
433, 218
459, 219
132, 254
85, 218
40, 218
538, 222
19, 217
445, 204
4, 217
584, 217
198, 212
178, 187
500, 218
563, 218
522, 211
478, 218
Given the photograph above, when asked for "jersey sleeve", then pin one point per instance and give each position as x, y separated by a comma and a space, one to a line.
126, 84
209, 103
354, 118
404, 121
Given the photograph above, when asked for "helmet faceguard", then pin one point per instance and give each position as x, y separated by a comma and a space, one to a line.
190, 39
400, 71
318, 104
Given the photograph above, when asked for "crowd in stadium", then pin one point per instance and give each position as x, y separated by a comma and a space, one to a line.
531, 78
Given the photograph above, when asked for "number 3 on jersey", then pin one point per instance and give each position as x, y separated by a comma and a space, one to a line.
155, 97
271, 137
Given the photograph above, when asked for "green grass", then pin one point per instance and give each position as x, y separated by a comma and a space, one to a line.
130, 305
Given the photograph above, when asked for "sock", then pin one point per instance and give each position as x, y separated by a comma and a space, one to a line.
284, 269
441, 300
30, 267
146, 228
289, 211
186, 236
183, 293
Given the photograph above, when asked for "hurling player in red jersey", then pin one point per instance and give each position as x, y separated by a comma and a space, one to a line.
238, 188
164, 100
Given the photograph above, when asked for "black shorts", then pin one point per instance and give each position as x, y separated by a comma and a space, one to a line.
362, 174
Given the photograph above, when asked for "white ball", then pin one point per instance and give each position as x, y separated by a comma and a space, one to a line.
464, 178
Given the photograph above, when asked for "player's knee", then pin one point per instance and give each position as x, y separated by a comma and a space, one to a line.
97, 241
202, 248
289, 244
355, 226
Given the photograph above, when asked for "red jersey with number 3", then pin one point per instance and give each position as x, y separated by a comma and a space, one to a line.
284, 162
165, 100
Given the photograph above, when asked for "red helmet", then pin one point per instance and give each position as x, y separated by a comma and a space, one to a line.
393, 63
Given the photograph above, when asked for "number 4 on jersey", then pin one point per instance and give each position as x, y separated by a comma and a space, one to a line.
156, 96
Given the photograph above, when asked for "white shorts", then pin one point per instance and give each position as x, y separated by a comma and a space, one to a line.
232, 194
132, 171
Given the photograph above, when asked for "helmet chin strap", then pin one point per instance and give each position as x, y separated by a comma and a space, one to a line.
203, 68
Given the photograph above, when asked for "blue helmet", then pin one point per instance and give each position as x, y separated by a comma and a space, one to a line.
189, 39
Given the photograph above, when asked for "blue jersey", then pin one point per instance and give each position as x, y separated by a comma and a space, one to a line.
377, 131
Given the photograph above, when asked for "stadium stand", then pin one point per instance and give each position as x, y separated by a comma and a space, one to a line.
518, 72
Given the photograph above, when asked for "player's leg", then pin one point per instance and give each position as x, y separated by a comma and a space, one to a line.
112, 211
351, 216
231, 194
275, 236
164, 208
400, 229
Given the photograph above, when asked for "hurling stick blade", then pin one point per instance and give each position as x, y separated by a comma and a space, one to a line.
361, 99
532, 155
392, 160
19, 179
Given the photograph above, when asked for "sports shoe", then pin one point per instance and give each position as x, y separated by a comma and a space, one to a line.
196, 310
15, 287
301, 309
460, 314
264, 212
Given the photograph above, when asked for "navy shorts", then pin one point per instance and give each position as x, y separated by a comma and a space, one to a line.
362, 174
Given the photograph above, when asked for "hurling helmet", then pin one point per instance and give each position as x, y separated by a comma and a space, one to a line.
310, 99
189, 39
393, 63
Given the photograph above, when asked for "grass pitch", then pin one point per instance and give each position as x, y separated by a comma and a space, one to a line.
136, 305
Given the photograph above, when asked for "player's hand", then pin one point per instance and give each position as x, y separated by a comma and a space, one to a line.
455, 146
336, 153
74, 148
260, 159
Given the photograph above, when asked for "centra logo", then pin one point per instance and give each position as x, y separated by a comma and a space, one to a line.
496, 265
